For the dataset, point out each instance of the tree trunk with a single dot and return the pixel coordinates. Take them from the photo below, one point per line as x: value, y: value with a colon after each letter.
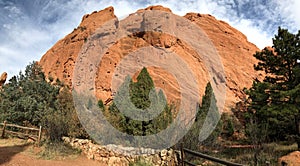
x: 298, y: 143
x: 297, y: 137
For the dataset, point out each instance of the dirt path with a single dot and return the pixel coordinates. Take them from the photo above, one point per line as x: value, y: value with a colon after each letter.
x: 15, y: 152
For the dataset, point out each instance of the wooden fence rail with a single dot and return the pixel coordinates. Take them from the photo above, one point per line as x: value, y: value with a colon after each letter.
x: 36, y: 137
x: 205, y: 156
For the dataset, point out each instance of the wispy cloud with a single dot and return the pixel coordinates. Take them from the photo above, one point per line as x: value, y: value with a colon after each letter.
x: 29, y: 28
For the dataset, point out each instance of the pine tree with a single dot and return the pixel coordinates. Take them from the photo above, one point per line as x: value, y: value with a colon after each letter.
x: 275, y: 100
x: 140, y: 90
x: 209, y: 101
x: 139, y: 95
x: 28, y: 97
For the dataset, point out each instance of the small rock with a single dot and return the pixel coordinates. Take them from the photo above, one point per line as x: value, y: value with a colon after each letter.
x: 163, y: 154
x: 29, y: 140
x: 114, y: 161
x: 170, y: 152
x: 90, y: 156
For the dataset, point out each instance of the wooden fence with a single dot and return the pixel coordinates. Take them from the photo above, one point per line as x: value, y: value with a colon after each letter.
x: 204, y: 156
x: 36, y: 137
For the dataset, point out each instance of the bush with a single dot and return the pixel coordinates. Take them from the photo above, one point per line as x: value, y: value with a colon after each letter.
x: 228, y: 126
x: 64, y: 120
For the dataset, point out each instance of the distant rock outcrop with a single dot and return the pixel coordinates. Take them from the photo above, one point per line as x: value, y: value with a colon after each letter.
x: 292, y: 159
x: 235, y: 51
x: 3, y: 79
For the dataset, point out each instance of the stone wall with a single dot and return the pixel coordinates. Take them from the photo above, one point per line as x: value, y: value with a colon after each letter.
x: 118, y: 155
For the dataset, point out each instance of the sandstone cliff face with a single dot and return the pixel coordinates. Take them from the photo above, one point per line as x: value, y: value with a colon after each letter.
x: 58, y: 62
x: 234, y: 49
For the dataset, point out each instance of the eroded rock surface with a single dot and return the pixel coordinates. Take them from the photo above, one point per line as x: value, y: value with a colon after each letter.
x: 233, y: 47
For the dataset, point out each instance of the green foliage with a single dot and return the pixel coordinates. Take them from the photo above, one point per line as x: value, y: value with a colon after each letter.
x: 63, y: 121
x: 139, y: 94
x: 190, y: 140
x: 140, y: 90
x: 101, y: 105
x: 228, y: 127
x: 58, y: 151
x: 30, y: 98
x: 140, y: 162
x: 275, y: 102
x: 82, y: 28
x: 27, y: 97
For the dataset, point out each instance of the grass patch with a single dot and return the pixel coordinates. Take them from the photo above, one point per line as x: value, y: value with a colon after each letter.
x: 269, y: 153
x: 12, y: 141
x: 58, y: 151
x: 140, y: 162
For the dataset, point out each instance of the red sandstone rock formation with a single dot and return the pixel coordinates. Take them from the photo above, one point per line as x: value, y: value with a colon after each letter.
x: 233, y: 47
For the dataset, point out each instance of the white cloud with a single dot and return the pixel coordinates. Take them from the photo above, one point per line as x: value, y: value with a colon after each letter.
x: 256, y: 36
x: 290, y: 10
x: 27, y: 37
x: 8, y: 63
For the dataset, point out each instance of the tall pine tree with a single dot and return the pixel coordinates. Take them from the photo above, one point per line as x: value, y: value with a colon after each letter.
x: 190, y: 140
x: 275, y: 101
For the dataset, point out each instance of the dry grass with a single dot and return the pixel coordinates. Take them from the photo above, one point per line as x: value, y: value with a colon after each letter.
x: 58, y: 151
x: 28, y: 147
x: 268, y: 153
x: 12, y: 142
x: 245, y: 155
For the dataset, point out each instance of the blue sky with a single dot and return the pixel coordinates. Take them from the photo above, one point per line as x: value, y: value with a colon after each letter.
x: 28, y: 28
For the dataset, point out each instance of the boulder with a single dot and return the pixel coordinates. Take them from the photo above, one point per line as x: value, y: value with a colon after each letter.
x: 292, y: 159
x: 3, y: 79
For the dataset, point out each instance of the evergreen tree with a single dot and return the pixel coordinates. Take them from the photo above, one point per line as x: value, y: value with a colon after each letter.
x: 140, y: 93
x: 27, y: 97
x: 140, y: 90
x: 274, y: 102
x: 190, y: 140
x: 30, y: 98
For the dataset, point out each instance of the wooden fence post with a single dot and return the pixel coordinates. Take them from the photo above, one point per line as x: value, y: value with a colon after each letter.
x: 182, y: 154
x: 3, y: 130
x: 40, y: 135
